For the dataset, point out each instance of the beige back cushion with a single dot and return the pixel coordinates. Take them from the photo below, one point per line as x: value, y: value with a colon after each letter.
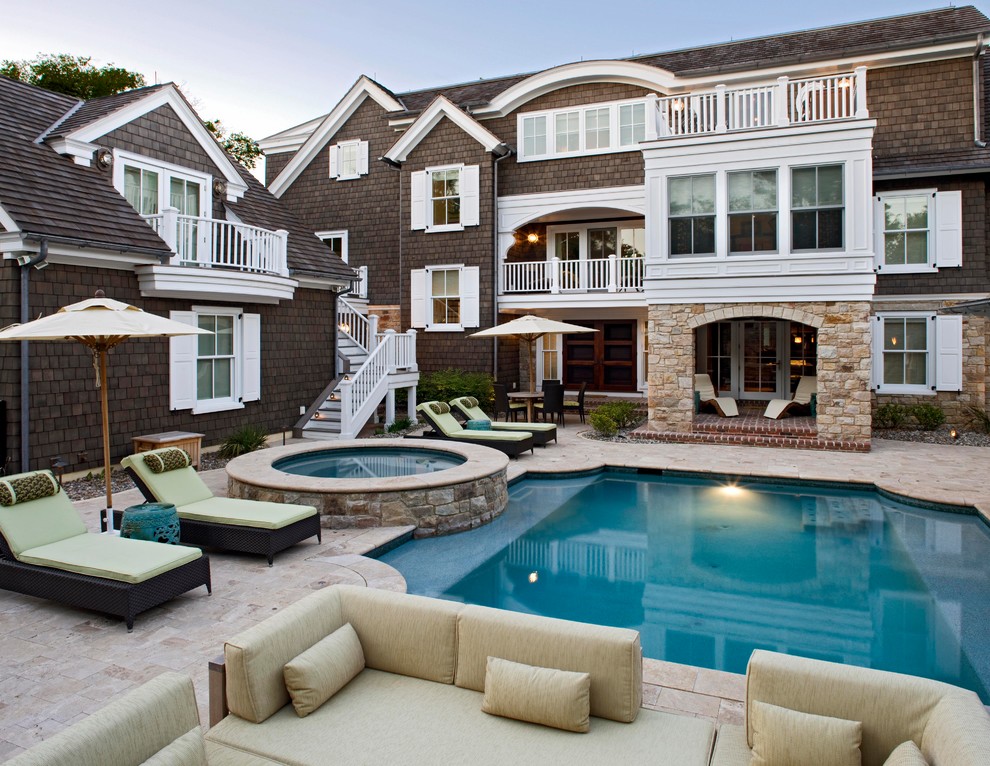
x: 612, y: 656
x: 892, y: 707
x: 187, y: 750
x: 807, y: 386
x: 958, y: 731
x: 703, y: 385
x: 783, y: 737
x: 399, y: 633
x: 255, y: 659
x: 131, y: 729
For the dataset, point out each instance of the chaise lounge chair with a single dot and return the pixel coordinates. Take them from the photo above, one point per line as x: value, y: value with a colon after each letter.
x: 445, y: 426
x: 542, y: 432
x: 46, y: 551
x: 227, y: 523
x: 806, y: 388
x: 724, y: 405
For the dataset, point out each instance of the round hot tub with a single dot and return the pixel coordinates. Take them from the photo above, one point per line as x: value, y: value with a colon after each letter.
x: 440, y: 487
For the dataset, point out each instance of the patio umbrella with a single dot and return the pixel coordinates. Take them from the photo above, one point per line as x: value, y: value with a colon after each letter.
x: 100, y: 324
x: 529, y: 328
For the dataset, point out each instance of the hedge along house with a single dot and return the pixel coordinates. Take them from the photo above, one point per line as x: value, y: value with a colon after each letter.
x: 761, y: 210
x: 131, y: 194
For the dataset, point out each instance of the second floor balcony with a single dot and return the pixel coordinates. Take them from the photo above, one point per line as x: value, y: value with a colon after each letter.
x: 555, y: 276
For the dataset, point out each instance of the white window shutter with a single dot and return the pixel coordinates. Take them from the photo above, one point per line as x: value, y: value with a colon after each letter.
x: 362, y: 161
x: 420, y: 180
x: 251, y: 344
x: 470, y: 296
x: 469, y: 195
x: 876, y: 370
x: 334, y: 161
x: 948, y: 353
x: 948, y: 234
x: 182, y: 364
x: 417, y: 293
x: 878, y: 240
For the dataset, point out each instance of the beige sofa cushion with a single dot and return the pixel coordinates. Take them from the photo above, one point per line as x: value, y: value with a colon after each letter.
x: 612, y: 656
x: 324, y: 669
x: 557, y: 698
x: 958, y: 731
x: 382, y: 718
x: 906, y: 754
x: 256, y: 658
x: 892, y: 707
x: 187, y: 750
x: 129, y: 730
x: 400, y: 633
x: 783, y: 737
x: 730, y: 746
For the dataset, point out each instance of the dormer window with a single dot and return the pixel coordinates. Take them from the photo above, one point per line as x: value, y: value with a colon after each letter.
x: 349, y: 160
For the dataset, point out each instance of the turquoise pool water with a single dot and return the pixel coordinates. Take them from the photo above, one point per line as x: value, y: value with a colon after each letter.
x: 709, y: 571
x: 368, y: 463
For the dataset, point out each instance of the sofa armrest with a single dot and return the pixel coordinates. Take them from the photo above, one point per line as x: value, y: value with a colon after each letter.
x: 958, y: 732
x: 218, y: 690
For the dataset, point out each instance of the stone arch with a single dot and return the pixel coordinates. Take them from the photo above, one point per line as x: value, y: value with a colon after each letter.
x: 757, y: 310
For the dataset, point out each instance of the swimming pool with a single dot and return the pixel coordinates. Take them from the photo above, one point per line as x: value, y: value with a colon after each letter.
x: 708, y: 571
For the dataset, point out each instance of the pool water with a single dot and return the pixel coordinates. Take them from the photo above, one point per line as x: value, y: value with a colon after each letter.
x: 365, y: 463
x: 709, y: 571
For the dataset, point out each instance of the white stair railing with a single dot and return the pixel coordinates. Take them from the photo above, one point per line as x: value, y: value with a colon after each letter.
x: 362, y: 329
x: 361, y: 392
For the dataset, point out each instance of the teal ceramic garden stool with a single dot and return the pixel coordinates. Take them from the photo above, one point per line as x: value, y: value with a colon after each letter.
x: 157, y: 522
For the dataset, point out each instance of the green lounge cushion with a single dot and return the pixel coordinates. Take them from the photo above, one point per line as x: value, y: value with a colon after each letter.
x: 26, y: 487
x: 245, y: 513
x: 39, y: 522
x: 111, y: 557
x: 448, y: 424
x: 476, y: 413
x: 168, y: 459
x: 179, y: 487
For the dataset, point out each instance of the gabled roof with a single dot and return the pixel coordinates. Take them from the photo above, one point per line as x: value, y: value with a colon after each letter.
x: 97, y: 108
x: 363, y: 89
x: 440, y: 108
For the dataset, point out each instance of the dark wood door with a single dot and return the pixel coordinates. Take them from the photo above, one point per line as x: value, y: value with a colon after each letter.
x: 605, y: 360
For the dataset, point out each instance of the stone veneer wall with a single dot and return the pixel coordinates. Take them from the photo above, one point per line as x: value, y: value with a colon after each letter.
x: 389, y: 317
x: 844, y: 359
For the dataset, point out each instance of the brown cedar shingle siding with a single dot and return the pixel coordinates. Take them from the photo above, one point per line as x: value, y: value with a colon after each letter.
x: 274, y: 164
x: 447, y: 144
x: 65, y: 404
x: 367, y: 207
x: 974, y: 274
x: 619, y: 169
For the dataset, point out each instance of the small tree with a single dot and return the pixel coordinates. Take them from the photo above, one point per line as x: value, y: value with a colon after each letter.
x: 72, y: 75
x: 241, y: 147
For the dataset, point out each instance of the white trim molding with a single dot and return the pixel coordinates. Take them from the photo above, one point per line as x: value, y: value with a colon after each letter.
x: 440, y: 107
x: 166, y: 96
x: 7, y: 222
x: 157, y: 281
x: 363, y: 89
x: 290, y: 139
x: 519, y: 209
x: 81, y: 151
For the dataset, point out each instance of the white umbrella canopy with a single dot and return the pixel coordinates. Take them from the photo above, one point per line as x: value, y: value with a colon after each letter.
x: 529, y: 328
x: 100, y: 324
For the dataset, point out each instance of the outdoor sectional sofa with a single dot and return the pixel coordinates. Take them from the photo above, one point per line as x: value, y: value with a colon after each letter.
x: 47, y: 552
x: 231, y: 524
x: 445, y: 426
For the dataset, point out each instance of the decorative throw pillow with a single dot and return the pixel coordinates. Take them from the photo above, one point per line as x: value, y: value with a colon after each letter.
x: 170, y: 459
x: 323, y: 670
x: 479, y: 425
x: 906, y: 754
x: 783, y: 737
x: 472, y: 402
x: 440, y: 408
x: 30, y: 486
x: 557, y: 698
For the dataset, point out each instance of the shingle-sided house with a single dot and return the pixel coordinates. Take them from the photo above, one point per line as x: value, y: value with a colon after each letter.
x: 131, y: 194
x: 812, y: 203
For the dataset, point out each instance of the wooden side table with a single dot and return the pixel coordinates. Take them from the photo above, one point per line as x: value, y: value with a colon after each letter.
x: 186, y: 440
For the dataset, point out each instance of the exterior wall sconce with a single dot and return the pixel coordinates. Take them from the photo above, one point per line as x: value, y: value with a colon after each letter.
x: 677, y: 105
x: 845, y: 83
x: 344, y: 327
x: 533, y: 238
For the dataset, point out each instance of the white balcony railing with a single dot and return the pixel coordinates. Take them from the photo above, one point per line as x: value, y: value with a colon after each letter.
x: 612, y: 274
x: 212, y: 243
x: 787, y: 102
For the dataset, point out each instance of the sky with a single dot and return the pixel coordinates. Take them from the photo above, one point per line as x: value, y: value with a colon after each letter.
x: 263, y: 67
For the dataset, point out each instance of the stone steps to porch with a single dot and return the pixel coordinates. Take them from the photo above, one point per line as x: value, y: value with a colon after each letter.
x: 751, y: 422
x: 755, y: 439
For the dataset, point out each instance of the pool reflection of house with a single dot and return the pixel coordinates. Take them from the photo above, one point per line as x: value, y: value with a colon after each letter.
x: 757, y: 210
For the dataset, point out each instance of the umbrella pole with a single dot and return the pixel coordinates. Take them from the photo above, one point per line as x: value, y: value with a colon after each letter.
x: 532, y: 363
x: 105, y: 404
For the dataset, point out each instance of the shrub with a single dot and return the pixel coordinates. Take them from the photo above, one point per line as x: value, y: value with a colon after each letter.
x: 444, y: 385
x: 603, y: 424
x: 244, y: 440
x: 400, y: 424
x: 979, y: 418
x: 623, y: 414
x: 929, y: 416
x: 890, y: 416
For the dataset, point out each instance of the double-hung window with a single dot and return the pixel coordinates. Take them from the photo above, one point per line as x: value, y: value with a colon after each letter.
x: 917, y: 352
x: 918, y: 230
x: 445, y: 198
x: 445, y: 298
x: 752, y: 211
x: 691, y: 212
x: 219, y: 370
x: 817, y: 208
x: 336, y: 241
x: 349, y: 160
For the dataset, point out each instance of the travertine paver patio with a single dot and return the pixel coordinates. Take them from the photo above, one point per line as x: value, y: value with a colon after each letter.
x: 58, y: 665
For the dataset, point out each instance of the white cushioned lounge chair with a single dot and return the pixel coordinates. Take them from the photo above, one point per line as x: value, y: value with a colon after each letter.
x: 806, y: 388
x: 724, y: 405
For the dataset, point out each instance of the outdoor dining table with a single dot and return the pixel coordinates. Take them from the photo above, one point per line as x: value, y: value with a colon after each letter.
x: 530, y: 397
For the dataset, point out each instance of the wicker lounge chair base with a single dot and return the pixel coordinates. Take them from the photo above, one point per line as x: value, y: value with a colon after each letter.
x: 235, y: 537
x: 100, y: 594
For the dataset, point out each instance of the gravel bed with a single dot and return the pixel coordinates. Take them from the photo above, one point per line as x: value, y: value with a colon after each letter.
x: 92, y: 485
x: 941, y: 435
